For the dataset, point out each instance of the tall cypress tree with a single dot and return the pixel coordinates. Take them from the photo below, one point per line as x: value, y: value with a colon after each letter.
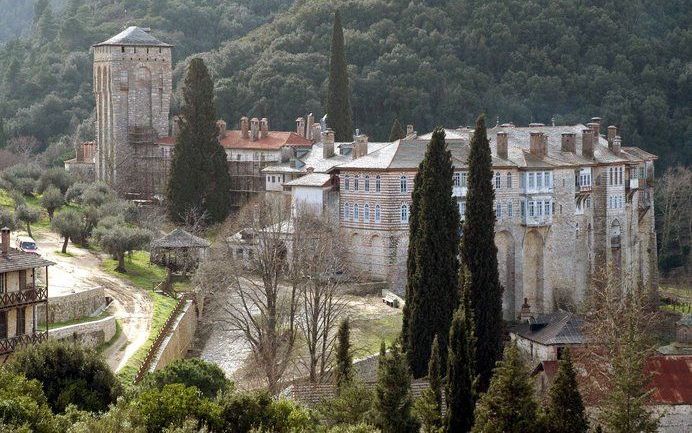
x: 565, y: 412
x: 199, y: 179
x: 428, y: 407
x: 393, y: 401
x: 509, y: 405
x: 338, y: 96
x: 433, y: 245
x: 461, y: 372
x: 344, y: 358
x: 479, y: 256
x: 397, y: 131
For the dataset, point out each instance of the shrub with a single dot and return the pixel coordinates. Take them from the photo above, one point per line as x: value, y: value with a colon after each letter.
x: 207, y: 377
x: 56, y: 177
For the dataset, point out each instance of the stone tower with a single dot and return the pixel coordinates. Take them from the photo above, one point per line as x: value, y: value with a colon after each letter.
x: 132, y: 87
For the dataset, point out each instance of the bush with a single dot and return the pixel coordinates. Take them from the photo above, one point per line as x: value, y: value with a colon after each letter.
x: 97, y: 194
x: 23, y: 404
x: 69, y: 374
x: 22, y: 177
x: 207, y: 377
x: 7, y: 219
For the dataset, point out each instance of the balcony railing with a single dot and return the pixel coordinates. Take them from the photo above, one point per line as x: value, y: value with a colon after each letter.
x: 8, y: 345
x: 537, y: 220
x: 30, y: 295
x: 584, y: 188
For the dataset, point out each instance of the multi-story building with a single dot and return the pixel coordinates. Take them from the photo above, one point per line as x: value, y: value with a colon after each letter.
x: 567, y: 200
x: 23, y: 287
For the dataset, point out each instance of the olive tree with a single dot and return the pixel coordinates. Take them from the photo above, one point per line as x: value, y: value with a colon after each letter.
x: 51, y: 199
x: 116, y: 237
x: 68, y: 224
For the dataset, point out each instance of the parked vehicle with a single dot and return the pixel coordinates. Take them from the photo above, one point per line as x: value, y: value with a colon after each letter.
x: 27, y: 244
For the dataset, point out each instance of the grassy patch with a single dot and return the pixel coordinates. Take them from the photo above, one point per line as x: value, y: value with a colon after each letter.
x: 86, y: 319
x: 676, y: 299
x: 163, y: 307
x: 140, y: 272
x: 367, y: 334
x: 61, y: 254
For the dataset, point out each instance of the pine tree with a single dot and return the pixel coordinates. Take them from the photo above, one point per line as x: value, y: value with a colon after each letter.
x: 479, y: 256
x: 461, y: 376
x: 199, y: 180
x: 393, y: 401
x: 396, y: 132
x: 509, y: 405
x: 565, y: 411
x: 344, y: 358
x: 433, y: 247
x: 338, y: 96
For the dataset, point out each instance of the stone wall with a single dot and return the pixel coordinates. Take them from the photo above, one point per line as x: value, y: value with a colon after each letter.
x: 89, y: 334
x: 72, y: 306
x: 176, y: 344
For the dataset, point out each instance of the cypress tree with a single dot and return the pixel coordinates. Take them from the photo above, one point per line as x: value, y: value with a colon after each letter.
x: 461, y: 375
x: 479, y: 256
x: 428, y: 407
x: 199, y: 179
x: 344, y: 359
x: 397, y: 131
x: 509, y: 405
x: 433, y: 246
x: 565, y: 412
x: 338, y: 96
x: 3, y: 134
x: 393, y: 401
x: 411, y: 254
x: 435, y: 373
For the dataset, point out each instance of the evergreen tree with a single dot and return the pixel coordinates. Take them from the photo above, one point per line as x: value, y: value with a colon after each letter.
x: 461, y: 375
x: 338, y: 96
x: 411, y: 255
x: 3, y: 134
x: 396, y: 132
x: 393, y: 401
x: 435, y: 373
x: 479, y: 256
x: 344, y: 358
x: 428, y: 407
x: 565, y: 412
x: 199, y: 180
x: 509, y: 405
x: 434, y: 242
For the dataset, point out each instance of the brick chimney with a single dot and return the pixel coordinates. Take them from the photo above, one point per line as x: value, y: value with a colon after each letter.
x: 254, y: 129
x: 616, y: 146
x: 569, y: 142
x: 360, y: 146
x: 612, y: 132
x: 328, y: 143
x: 316, y: 132
x: 222, y: 128
x: 597, y: 122
x: 308, y: 127
x: 502, y: 140
x: 587, y: 141
x: 264, y: 127
x: 244, y: 127
x: 538, y: 145
x: 5, y: 241
x: 300, y: 126
x: 409, y: 130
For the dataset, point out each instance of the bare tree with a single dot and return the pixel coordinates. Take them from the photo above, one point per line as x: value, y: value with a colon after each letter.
x: 244, y: 290
x: 24, y: 146
x: 674, y: 219
x: 616, y: 324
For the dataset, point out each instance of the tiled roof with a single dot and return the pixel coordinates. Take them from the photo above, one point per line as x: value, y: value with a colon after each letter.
x: 179, y: 238
x: 134, y: 36
x: 234, y: 140
x: 311, y: 179
x: 17, y: 260
x: 556, y: 328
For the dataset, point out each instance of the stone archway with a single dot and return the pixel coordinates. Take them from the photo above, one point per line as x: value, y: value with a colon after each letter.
x: 505, y: 266
x: 533, y: 270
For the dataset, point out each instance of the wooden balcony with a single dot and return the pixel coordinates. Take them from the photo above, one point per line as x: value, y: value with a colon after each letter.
x: 8, y: 345
x: 30, y: 295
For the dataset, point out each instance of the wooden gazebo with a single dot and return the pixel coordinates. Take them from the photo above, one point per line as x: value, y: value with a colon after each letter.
x: 179, y: 251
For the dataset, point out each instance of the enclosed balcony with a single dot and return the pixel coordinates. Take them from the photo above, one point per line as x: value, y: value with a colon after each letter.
x: 10, y: 344
x: 459, y: 191
x: 30, y: 295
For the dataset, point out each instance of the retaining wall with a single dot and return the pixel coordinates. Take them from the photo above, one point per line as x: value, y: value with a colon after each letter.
x: 89, y: 334
x: 72, y: 306
x: 176, y: 344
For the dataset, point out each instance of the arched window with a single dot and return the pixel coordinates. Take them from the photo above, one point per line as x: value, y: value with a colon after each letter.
x: 403, y: 187
x: 347, y: 212
x: 498, y: 182
x: 347, y: 182
x: 404, y: 213
x: 498, y: 211
x: 356, y: 181
x: 356, y: 212
x: 510, y: 210
x: 377, y: 213
x: 366, y: 185
x: 378, y: 183
x: 509, y: 179
x: 366, y: 213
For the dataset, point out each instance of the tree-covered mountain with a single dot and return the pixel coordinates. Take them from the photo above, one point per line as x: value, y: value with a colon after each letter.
x: 427, y: 62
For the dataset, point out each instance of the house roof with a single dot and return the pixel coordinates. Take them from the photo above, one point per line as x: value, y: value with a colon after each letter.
x: 233, y: 139
x: 557, y: 328
x: 17, y: 260
x: 134, y: 36
x: 179, y: 238
x: 311, y: 179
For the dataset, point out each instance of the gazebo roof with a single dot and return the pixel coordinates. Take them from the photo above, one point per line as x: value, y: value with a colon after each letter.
x: 179, y: 238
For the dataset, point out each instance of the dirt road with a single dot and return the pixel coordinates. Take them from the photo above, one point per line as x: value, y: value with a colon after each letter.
x: 131, y: 305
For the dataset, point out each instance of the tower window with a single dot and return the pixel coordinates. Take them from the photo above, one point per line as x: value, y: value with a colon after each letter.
x: 122, y: 49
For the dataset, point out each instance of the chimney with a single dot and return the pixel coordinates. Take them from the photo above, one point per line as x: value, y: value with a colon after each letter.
x: 612, y: 132
x: 597, y: 122
x: 264, y: 127
x: 308, y: 127
x: 316, y: 132
x: 300, y: 126
x: 222, y: 128
x: 5, y: 241
x: 525, y: 312
x: 617, y: 145
x: 254, y: 129
x: 409, y: 130
x: 286, y: 154
x: 587, y: 143
x: 328, y: 143
x: 502, y: 140
x: 569, y: 142
x: 360, y: 146
x: 244, y: 127
x: 537, y: 147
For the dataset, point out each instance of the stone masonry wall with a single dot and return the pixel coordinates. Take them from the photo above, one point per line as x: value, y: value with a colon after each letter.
x: 72, y: 306
x: 177, y: 343
x: 89, y: 334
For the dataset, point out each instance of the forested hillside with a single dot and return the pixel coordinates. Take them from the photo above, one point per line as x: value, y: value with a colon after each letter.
x: 427, y: 62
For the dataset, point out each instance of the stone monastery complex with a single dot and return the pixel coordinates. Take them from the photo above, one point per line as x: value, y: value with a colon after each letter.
x: 567, y: 198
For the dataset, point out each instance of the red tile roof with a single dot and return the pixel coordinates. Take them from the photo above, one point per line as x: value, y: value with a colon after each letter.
x: 274, y: 141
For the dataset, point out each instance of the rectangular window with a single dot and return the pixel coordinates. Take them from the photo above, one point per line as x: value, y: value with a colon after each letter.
x: 539, y: 208
x: 532, y: 209
x: 3, y: 324
x: 549, y: 179
x: 355, y: 183
x: 497, y: 180
x: 457, y: 179
x: 463, y: 180
x: 366, y: 213
x: 498, y: 211
x: 367, y: 184
x: 523, y: 208
x: 377, y: 213
x: 532, y: 181
x: 347, y: 182
x: 510, y: 211
x: 3, y: 283
x: 21, y: 321
x: 539, y: 180
x: 462, y: 209
x: 356, y: 212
